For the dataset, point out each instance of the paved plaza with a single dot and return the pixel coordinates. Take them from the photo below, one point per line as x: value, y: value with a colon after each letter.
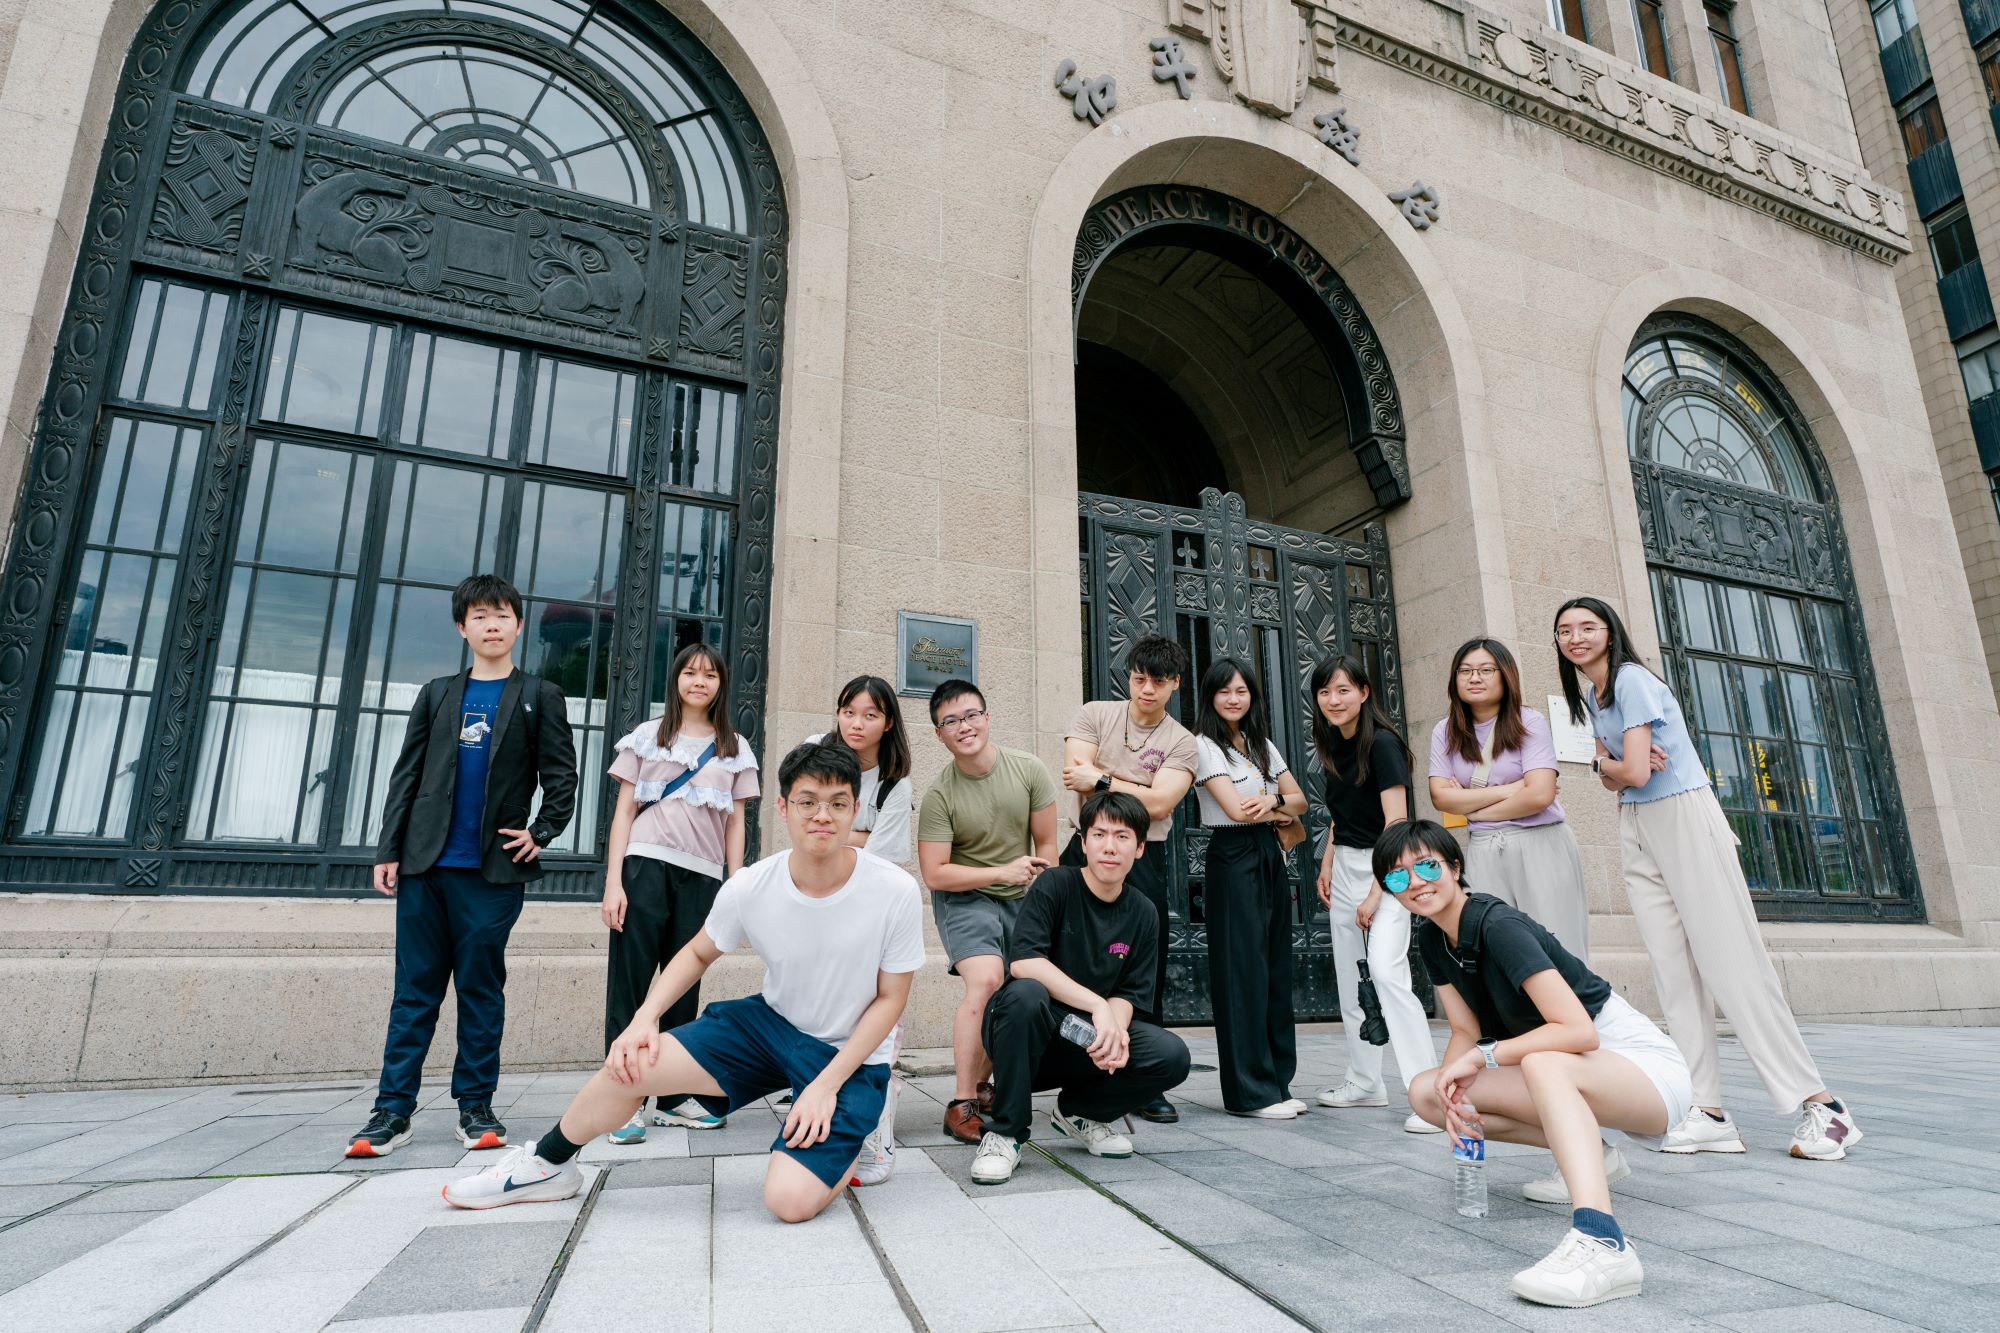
x: 224, y: 1208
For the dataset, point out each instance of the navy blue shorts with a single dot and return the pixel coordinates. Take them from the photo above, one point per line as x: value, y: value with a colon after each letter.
x: 752, y: 1052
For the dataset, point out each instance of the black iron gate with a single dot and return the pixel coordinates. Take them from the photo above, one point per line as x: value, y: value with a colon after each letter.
x: 1228, y: 585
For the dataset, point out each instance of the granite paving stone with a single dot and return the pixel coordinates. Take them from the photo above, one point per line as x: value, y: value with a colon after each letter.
x: 34, y: 1248
x: 458, y: 1321
x: 1034, y: 1174
x: 653, y: 1238
x: 1821, y: 1317
x: 1336, y: 1289
x: 661, y: 1171
x: 462, y: 1268
x: 1937, y: 1302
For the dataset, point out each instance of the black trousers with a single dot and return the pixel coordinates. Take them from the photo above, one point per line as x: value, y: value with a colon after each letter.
x: 1028, y: 1057
x: 665, y: 905
x: 1149, y: 876
x: 1247, y: 903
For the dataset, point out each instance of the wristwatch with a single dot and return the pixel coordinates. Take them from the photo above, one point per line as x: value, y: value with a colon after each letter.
x: 1103, y: 782
x: 1486, y: 1048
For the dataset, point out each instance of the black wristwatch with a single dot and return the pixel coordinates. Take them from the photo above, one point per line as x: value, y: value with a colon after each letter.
x: 1103, y: 782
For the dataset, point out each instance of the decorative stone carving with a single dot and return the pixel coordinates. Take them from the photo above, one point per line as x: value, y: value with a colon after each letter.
x: 1090, y: 99
x: 1613, y: 97
x: 1658, y: 116
x: 205, y: 180
x: 1421, y: 204
x: 1699, y: 132
x: 1337, y: 134
x: 714, y: 289
x: 1266, y: 50
x: 1783, y: 169
x: 1171, y: 65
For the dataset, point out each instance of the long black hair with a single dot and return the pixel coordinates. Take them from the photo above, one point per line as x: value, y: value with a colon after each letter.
x: 718, y: 707
x: 1508, y: 730
x: 892, y: 759
x: 1620, y: 650
x: 1253, y: 734
x: 1374, y: 720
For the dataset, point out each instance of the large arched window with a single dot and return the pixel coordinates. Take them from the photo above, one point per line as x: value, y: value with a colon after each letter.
x: 379, y: 293
x: 1761, y: 628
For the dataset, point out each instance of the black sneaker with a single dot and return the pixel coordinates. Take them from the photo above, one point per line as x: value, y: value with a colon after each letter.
x: 1160, y: 1111
x: 383, y: 1134
x: 479, y: 1128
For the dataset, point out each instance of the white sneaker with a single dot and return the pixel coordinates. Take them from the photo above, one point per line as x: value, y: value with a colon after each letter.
x: 1554, y: 1189
x: 1824, y: 1134
x: 1280, y: 1111
x: 1581, y: 1271
x: 1098, y: 1139
x: 1701, y: 1132
x: 689, y: 1115
x: 519, y: 1177
x: 1416, y: 1124
x: 878, y: 1150
x: 994, y: 1163
x: 1351, y: 1093
x: 1296, y: 1105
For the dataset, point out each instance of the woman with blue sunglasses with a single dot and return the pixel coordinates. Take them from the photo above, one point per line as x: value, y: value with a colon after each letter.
x: 1542, y: 1052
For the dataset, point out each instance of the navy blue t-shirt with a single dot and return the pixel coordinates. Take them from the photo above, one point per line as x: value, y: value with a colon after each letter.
x: 475, y: 753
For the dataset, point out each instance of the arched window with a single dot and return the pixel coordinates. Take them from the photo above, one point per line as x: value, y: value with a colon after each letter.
x: 379, y: 294
x: 1760, y: 626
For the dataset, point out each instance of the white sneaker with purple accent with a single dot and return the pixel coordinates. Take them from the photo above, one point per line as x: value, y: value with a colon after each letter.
x: 1824, y: 1134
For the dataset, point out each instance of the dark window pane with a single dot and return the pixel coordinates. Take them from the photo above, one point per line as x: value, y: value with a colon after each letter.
x: 1792, y: 855
x: 1760, y: 700
x: 1989, y: 71
x: 582, y: 418
x: 1698, y: 615
x: 175, y: 334
x: 1922, y: 127
x: 460, y: 396
x: 326, y: 372
x: 1712, y: 708
x: 1745, y: 635
x: 1728, y: 61
x: 1753, y: 847
x: 1650, y: 18
x: 443, y: 524
x: 1820, y: 795
x: 1952, y: 243
x: 1833, y: 637
x: 1723, y: 755
x: 1807, y: 723
x: 701, y: 449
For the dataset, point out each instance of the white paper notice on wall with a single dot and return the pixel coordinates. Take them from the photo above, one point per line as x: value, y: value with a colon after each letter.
x: 1574, y: 744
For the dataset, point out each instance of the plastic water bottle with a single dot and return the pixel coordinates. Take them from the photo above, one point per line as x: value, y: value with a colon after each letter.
x: 1076, y: 1029
x: 1468, y: 1170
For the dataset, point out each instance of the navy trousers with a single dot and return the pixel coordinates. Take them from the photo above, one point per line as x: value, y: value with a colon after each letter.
x: 451, y: 926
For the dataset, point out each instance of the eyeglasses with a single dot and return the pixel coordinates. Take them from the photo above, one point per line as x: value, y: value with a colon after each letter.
x: 1567, y: 634
x: 1478, y: 672
x: 957, y: 720
x: 1429, y: 870
x: 808, y: 807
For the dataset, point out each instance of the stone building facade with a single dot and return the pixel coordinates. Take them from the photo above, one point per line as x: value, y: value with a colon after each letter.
x: 1287, y: 327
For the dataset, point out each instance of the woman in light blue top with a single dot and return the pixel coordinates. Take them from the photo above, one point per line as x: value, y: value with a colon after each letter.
x: 1687, y: 892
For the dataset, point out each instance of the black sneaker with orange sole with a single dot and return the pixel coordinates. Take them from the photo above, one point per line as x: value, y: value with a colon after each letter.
x: 478, y: 1127
x: 383, y: 1134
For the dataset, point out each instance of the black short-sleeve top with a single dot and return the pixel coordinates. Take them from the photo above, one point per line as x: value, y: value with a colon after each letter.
x: 1356, y: 802
x: 1499, y: 948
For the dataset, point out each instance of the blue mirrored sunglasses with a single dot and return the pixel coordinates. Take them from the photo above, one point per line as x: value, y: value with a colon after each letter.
x: 1429, y: 870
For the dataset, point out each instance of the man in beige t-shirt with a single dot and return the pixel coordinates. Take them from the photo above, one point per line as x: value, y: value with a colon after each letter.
x: 1135, y: 745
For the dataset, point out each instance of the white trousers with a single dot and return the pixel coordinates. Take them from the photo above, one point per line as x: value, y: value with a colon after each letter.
x: 1693, y: 912
x: 1387, y: 949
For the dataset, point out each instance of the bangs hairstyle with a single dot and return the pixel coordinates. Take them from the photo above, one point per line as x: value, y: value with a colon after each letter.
x: 484, y: 590
x: 1253, y: 733
x: 1620, y: 650
x: 1508, y: 732
x: 1157, y: 656
x: 718, y: 707
x: 1120, y: 807
x: 829, y: 761
x: 953, y: 689
x: 892, y: 760
x: 1420, y: 836
x: 1373, y: 720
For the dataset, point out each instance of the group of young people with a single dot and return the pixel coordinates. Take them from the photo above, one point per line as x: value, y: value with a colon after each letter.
x: 1063, y: 957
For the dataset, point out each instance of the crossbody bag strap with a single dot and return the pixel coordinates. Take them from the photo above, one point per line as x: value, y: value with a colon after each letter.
x: 682, y: 781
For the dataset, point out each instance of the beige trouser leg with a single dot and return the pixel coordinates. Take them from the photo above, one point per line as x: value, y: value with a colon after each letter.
x: 1693, y: 912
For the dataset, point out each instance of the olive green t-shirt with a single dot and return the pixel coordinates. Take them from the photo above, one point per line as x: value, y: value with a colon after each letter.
x: 986, y: 819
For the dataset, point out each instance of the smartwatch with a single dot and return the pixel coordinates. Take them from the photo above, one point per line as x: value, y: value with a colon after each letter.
x: 1594, y: 762
x: 1486, y: 1048
x: 1103, y: 782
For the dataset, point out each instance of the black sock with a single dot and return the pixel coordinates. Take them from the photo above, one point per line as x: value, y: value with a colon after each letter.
x: 1834, y: 1102
x: 1598, y: 1226
x: 1716, y: 1116
x: 554, y: 1148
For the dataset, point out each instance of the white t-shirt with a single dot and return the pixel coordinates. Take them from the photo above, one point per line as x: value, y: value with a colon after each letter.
x: 887, y: 824
x: 821, y: 955
x: 1211, y: 761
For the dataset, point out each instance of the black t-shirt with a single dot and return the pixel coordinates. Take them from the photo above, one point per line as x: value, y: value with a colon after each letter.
x: 1499, y: 948
x: 1105, y: 947
x: 1355, y: 803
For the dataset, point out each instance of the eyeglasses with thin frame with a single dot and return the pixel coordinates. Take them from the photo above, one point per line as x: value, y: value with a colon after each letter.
x: 1571, y: 632
x: 808, y: 807
x: 957, y: 720
x: 1478, y: 672
x: 1429, y: 870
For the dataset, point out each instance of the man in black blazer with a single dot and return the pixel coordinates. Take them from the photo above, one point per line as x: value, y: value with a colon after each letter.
x: 458, y: 847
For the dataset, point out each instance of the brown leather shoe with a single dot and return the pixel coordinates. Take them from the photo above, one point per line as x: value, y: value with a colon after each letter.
x: 961, y: 1121
x: 985, y: 1094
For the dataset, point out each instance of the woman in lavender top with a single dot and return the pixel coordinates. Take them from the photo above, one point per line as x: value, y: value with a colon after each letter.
x: 1493, y: 762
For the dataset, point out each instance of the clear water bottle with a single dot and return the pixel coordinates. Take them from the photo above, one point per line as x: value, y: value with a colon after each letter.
x: 1075, y: 1028
x: 1468, y: 1169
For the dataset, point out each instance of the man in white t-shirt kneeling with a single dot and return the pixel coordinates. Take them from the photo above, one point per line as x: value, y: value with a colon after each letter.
x: 841, y: 936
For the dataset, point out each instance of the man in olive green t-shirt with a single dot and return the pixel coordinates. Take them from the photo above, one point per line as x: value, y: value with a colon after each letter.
x: 987, y: 828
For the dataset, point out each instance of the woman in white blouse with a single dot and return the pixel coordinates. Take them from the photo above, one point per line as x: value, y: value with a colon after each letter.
x: 869, y: 723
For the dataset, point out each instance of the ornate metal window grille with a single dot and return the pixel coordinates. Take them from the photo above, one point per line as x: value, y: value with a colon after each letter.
x: 1761, y: 627
x: 320, y: 362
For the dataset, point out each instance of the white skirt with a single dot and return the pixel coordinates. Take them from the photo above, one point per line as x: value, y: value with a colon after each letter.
x: 1626, y: 1031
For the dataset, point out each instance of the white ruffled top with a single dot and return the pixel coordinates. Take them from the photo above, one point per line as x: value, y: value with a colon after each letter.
x: 687, y: 826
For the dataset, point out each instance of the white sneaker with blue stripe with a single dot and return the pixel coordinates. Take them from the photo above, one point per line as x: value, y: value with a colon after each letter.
x: 519, y: 1177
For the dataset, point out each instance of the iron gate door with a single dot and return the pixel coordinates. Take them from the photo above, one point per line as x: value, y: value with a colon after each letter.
x: 1224, y: 584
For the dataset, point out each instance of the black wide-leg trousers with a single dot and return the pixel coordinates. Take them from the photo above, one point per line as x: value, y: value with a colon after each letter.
x: 1247, y: 902
x: 665, y: 905
x: 1028, y: 1057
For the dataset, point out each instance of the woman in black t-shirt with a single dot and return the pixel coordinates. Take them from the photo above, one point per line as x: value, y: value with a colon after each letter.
x: 1367, y: 786
x: 1542, y: 1051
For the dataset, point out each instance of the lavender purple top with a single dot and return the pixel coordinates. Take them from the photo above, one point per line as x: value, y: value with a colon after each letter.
x: 1538, y: 750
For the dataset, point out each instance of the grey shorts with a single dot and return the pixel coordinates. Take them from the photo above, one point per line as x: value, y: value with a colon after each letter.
x: 971, y: 924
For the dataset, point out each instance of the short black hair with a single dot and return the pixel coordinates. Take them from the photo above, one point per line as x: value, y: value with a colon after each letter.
x: 1418, y: 835
x: 1158, y: 656
x: 1120, y: 807
x: 830, y: 761
x: 484, y: 590
x: 953, y: 689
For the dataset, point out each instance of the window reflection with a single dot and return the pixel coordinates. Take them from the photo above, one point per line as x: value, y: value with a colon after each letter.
x: 326, y: 372
x: 583, y: 417
x: 460, y: 396
x: 701, y: 448
x: 175, y: 336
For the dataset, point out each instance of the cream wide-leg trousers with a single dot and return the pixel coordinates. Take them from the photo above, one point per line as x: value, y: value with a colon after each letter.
x: 1387, y: 949
x: 1693, y: 911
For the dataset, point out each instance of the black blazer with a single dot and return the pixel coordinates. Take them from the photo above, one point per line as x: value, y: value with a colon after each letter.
x: 531, y: 746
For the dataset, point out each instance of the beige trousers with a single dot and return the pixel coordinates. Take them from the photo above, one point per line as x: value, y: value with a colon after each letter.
x: 1693, y: 912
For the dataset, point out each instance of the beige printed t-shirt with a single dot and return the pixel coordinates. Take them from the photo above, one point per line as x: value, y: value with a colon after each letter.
x: 1107, y: 724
